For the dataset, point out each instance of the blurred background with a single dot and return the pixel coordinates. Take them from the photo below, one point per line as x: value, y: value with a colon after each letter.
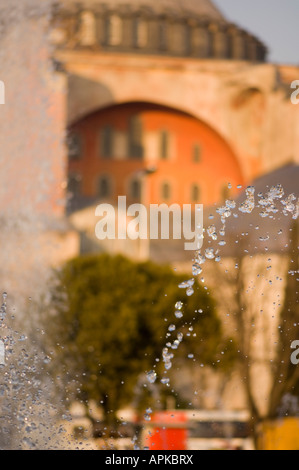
x: 140, y: 343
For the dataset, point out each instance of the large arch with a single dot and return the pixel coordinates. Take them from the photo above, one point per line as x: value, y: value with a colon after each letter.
x: 182, y: 150
x: 203, y: 89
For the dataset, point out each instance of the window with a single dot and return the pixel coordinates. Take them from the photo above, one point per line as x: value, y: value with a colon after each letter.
x: 136, y: 138
x: 177, y: 34
x: 114, y: 30
x: 164, y: 145
x: 195, y: 193
x: 106, y: 142
x: 140, y: 33
x: 74, y: 184
x: 252, y: 50
x: 201, y: 42
x: 104, y: 187
x: 162, y: 35
x: 238, y: 47
x: 220, y: 44
x: 74, y: 142
x: 196, y: 153
x: 135, y: 189
x: 87, y: 32
x: 166, y: 191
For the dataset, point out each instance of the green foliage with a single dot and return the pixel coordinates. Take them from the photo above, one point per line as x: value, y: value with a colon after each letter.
x: 112, y: 320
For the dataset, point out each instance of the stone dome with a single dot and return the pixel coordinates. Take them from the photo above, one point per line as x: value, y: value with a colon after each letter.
x: 182, y: 28
x: 195, y: 7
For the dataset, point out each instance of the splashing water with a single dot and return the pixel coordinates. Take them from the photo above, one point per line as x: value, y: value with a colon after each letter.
x: 272, y: 202
x: 27, y: 411
x: 32, y: 158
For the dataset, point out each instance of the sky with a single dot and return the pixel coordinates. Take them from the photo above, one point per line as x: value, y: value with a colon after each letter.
x: 275, y: 22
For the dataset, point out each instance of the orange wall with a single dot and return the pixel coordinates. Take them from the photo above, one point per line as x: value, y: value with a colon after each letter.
x: 218, y: 165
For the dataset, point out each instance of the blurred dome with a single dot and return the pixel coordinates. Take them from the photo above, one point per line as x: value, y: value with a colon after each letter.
x: 182, y: 28
x: 195, y: 7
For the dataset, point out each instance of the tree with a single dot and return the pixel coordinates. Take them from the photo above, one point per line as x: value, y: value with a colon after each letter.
x: 283, y: 369
x: 110, y: 325
x: 261, y: 297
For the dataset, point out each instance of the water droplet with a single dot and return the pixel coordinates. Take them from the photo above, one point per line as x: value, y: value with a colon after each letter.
x: 186, y: 284
x: 264, y: 214
x: 264, y: 239
x: 196, y: 269
x: 175, y: 344
x: 151, y: 376
x: 178, y: 314
x: 23, y: 338
x: 190, y: 291
x: 180, y: 336
x: 211, y: 231
x: 209, y: 253
x: 248, y: 205
x: 200, y: 259
x: 165, y: 380
x: 47, y: 360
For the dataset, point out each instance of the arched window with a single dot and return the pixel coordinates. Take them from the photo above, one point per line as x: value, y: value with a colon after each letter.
x: 220, y: 44
x: 87, y: 31
x: 74, y: 184
x: 136, y: 149
x: 162, y: 35
x: 74, y: 142
x: 114, y: 30
x: 196, y: 153
x: 238, y: 47
x: 104, y: 189
x: 141, y: 33
x: 177, y: 38
x: 195, y: 193
x: 166, y: 191
x: 252, y: 49
x: 164, y: 145
x: 106, y: 142
x: 201, y: 42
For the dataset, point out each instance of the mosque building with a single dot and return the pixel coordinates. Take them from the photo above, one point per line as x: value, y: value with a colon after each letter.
x: 167, y: 102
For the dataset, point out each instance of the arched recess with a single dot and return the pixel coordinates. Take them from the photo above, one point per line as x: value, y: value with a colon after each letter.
x: 248, y: 121
x: 214, y: 166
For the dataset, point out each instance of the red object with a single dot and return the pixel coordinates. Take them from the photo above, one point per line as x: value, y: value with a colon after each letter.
x: 167, y: 431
